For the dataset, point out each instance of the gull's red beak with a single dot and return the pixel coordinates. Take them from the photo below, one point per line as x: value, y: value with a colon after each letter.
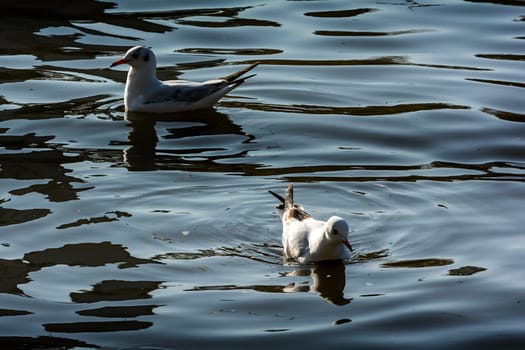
x: 119, y: 61
x: 347, y: 244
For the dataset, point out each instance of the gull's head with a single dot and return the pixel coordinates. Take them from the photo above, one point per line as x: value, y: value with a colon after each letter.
x: 336, y: 230
x: 138, y: 57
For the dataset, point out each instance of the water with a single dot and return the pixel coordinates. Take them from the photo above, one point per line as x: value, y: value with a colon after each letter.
x: 404, y: 117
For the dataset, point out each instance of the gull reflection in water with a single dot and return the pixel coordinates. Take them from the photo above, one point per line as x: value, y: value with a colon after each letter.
x: 328, y: 280
x: 144, y: 153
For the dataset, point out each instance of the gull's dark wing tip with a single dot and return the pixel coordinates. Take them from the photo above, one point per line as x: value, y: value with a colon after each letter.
x: 234, y: 76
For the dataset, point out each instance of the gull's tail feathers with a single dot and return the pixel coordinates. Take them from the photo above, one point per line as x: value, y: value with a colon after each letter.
x: 288, y: 198
x: 289, y: 208
x: 235, y: 78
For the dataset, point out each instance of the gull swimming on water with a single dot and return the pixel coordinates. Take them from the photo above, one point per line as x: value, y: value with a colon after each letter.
x: 306, y: 239
x: 145, y: 93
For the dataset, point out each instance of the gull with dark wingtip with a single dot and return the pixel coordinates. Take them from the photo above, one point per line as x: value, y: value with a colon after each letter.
x: 144, y: 92
x: 306, y: 239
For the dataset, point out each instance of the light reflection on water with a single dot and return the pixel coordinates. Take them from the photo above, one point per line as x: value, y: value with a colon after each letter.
x: 127, y: 230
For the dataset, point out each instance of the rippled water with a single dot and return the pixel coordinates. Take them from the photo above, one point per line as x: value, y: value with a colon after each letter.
x: 132, y: 231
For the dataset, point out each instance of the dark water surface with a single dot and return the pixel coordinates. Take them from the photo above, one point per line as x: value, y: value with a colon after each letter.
x: 137, y: 231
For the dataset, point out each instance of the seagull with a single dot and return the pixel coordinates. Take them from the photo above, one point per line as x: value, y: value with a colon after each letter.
x: 306, y: 239
x: 144, y: 92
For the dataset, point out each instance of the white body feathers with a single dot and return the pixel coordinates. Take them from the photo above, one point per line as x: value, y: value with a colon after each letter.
x: 145, y: 93
x: 306, y: 239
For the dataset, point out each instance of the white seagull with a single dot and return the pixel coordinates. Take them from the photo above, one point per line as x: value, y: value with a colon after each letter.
x: 145, y: 93
x: 306, y: 239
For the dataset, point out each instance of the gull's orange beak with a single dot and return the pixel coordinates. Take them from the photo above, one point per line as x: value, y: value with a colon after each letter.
x: 347, y: 244
x: 119, y: 61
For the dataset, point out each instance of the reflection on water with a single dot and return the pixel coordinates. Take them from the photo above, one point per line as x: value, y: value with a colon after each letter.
x: 340, y: 13
x: 83, y: 254
x: 362, y: 111
x: 122, y: 229
x: 108, y: 217
x: 42, y: 165
x: 116, y: 290
x: 119, y: 311
x: 328, y: 280
x: 144, y: 155
x: 16, y: 272
x: 10, y: 216
x: 419, y: 263
x: 57, y: 14
x: 466, y: 270
x: 90, y: 327
x: 43, y: 342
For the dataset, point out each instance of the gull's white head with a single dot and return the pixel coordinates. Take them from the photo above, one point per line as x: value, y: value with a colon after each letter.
x: 336, y: 230
x: 138, y: 57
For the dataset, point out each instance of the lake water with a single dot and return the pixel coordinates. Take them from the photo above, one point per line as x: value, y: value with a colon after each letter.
x: 157, y: 231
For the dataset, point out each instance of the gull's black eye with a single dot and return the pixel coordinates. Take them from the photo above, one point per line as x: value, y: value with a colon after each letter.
x: 335, y: 232
x: 146, y: 57
x: 135, y: 55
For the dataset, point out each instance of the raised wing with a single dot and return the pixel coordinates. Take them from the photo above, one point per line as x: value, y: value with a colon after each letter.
x: 290, y: 209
